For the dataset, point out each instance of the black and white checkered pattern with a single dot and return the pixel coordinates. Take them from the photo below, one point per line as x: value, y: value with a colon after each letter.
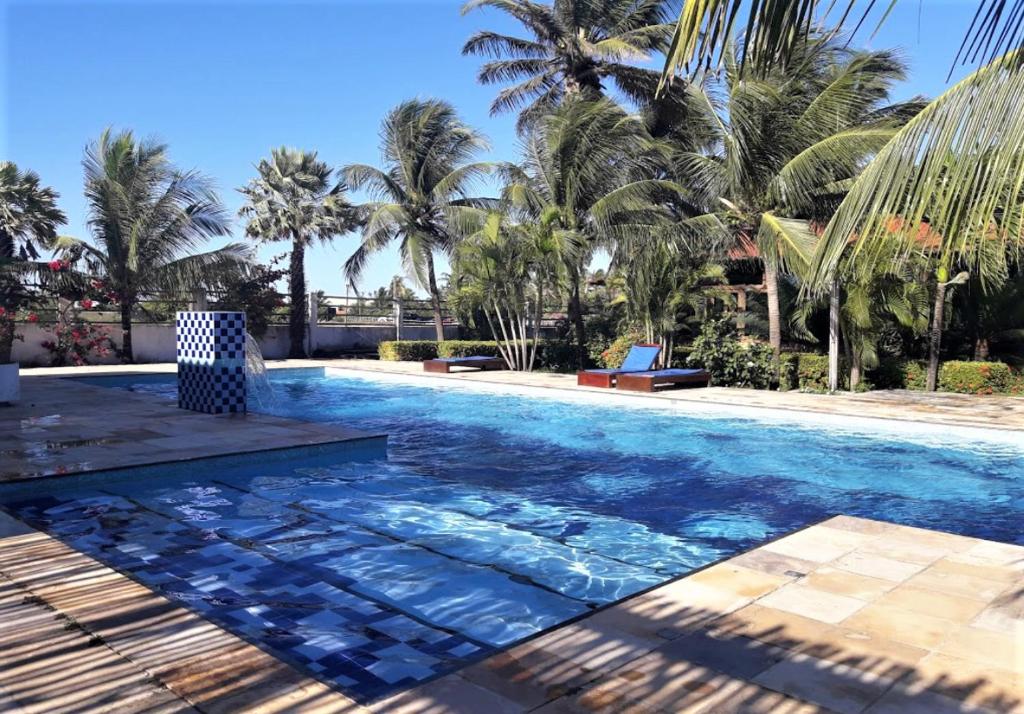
x: 211, y: 361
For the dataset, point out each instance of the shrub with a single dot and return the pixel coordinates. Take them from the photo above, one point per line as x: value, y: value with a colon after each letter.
x: 467, y: 348
x: 407, y: 350
x: 615, y: 354
x: 976, y: 377
x: 731, y: 363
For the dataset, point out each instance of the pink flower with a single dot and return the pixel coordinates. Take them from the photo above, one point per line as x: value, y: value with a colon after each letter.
x: 55, y: 265
x: 3, y: 312
x: 32, y: 317
x: 87, y: 304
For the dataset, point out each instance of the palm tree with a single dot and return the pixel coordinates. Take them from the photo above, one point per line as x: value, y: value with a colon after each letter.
x: 579, y: 176
x: 574, y: 46
x: 147, y: 218
x: 28, y: 215
x: 293, y: 199
x: 787, y: 141
x: 775, y: 28
x: 422, y: 195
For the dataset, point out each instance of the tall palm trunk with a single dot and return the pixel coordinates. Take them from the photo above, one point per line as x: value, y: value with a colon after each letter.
x: 833, y: 336
x: 297, y: 292
x: 771, y: 284
x: 935, y: 337
x: 127, y: 354
x: 856, y: 369
x: 435, y: 299
x: 576, y: 318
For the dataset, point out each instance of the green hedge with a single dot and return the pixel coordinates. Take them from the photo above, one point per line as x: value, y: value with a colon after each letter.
x: 552, y: 355
x: 467, y: 348
x: 809, y: 372
x: 407, y: 350
x: 967, y: 377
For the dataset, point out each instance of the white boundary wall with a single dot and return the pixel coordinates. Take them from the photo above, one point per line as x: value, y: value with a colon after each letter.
x: 155, y: 342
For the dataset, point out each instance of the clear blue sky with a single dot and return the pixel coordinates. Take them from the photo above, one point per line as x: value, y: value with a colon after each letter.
x: 223, y: 82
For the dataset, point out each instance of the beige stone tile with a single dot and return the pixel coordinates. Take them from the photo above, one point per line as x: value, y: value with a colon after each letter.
x: 894, y: 623
x: 740, y: 581
x: 448, y: 694
x: 969, y: 681
x: 806, y: 601
x: 528, y: 677
x: 997, y: 573
x: 774, y: 563
x: 818, y: 545
x: 931, y: 602
x: 766, y: 624
x: 987, y: 552
x: 858, y: 525
x: 844, y: 582
x: 1004, y: 650
x: 837, y: 687
x: 901, y: 700
x: 877, y: 566
x: 958, y: 583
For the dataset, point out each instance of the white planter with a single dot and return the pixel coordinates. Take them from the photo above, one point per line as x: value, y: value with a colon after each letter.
x: 9, y: 383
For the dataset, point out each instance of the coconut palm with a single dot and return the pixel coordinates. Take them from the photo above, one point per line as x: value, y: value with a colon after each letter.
x: 579, y: 176
x: 776, y: 27
x: 574, y: 46
x: 294, y: 199
x: 957, y: 167
x: 28, y: 216
x: 422, y: 195
x: 787, y: 141
x: 147, y: 219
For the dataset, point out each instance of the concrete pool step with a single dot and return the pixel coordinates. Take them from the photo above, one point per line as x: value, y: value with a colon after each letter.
x: 849, y: 615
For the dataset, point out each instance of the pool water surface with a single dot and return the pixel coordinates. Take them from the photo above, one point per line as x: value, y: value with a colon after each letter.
x: 492, y: 518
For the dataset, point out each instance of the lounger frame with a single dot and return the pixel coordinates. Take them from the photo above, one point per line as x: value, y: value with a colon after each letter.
x: 641, y: 382
x: 443, y: 366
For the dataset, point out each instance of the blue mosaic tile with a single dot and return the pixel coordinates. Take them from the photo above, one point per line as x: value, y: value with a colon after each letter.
x: 211, y: 361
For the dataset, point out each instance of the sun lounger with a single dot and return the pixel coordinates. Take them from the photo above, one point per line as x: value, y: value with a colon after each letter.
x: 641, y: 358
x: 444, y: 365
x: 663, y: 379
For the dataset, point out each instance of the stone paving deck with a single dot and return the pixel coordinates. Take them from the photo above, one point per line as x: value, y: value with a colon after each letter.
x: 61, y: 426
x: 846, y: 616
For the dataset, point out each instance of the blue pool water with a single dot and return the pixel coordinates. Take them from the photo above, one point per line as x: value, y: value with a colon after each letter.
x: 493, y: 516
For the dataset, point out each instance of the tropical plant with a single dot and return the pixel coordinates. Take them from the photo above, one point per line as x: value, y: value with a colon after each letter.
x: 575, y: 45
x: 423, y: 195
x: 663, y: 279
x: 501, y: 270
x: 866, y: 305
x: 294, y: 199
x: 579, y: 179
x: 775, y: 28
x: 147, y: 218
x: 29, y: 217
x: 786, y: 142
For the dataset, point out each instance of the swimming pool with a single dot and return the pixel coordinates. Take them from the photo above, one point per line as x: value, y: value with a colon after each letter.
x: 495, y: 515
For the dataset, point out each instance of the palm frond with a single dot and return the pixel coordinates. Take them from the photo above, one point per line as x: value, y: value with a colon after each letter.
x: 949, y: 183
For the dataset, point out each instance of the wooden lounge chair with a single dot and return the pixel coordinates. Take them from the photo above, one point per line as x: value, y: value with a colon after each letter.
x: 641, y: 358
x: 444, y: 365
x: 663, y: 379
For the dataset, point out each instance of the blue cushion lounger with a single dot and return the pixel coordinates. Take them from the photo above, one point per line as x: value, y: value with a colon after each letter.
x: 641, y: 358
x: 663, y: 379
x: 443, y: 365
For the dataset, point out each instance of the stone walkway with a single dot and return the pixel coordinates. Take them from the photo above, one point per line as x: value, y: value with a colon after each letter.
x: 846, y: 616
x: 61, y: 426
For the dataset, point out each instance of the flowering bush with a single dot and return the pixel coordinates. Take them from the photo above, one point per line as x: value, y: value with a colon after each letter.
x: 8, y: 331
x: 75, y: 341
x: 613, y: 357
